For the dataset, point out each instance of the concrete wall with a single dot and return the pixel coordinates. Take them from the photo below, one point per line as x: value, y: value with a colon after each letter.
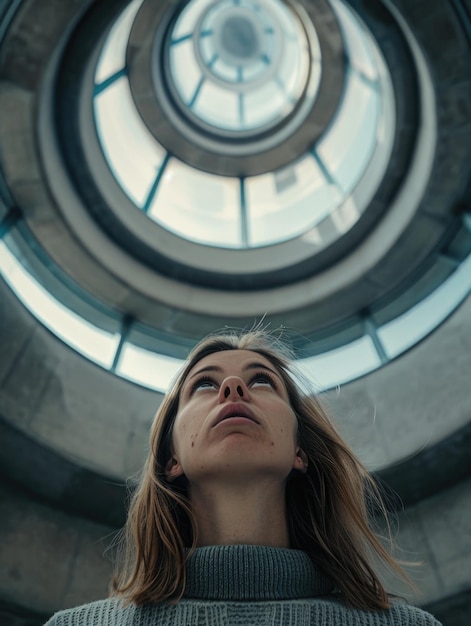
x: 94, y: 421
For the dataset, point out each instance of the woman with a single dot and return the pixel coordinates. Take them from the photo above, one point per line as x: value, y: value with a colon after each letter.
x: 251, y: 508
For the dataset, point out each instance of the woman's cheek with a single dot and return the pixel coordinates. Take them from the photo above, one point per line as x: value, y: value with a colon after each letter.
x: 194, y: 439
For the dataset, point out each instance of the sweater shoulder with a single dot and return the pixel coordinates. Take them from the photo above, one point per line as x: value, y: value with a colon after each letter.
x: 399, y: 614
x: 109, y: 612
x: 412, y: 615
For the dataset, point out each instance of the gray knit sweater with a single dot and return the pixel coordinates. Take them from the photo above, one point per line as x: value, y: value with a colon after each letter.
x: 246, y: 586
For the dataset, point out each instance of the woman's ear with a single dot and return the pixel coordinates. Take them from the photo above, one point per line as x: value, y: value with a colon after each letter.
x: 300, y: 460
x: 173, y: 469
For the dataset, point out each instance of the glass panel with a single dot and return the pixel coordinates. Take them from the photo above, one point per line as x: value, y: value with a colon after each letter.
x: 408, y: 329
x: 96, y: 344
x: 347, y: 147
x: 198, y: 206
x: 341, y: 365
x: 267, y: 104
x: 345, y: 216
x: 147, y: 368
x: 189, y: 18
x: 132, y: 154
x: 113, y: 56
x: 224, y: 70
x: 185, y: 70
x: 294, y: 68
x: 218, y: 106
x: 288, y: 202
x: 357, y: 42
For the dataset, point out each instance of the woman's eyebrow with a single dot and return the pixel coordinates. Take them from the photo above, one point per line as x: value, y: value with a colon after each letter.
x: 217, y: 368
x: 208, y: 368
x: 256, y: 366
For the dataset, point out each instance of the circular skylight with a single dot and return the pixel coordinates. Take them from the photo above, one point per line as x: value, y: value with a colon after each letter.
x: 236, y: 68
x: 240, y: 66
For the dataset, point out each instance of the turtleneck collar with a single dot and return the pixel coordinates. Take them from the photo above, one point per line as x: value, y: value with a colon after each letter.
x: 253, y: 573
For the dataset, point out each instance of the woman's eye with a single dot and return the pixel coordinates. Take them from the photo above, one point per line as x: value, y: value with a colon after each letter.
x: 263, y: 380
x: 205, y: 385
x: 202, y: 384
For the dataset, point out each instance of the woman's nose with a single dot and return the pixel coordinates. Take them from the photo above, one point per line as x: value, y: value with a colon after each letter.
x: 233, y: 388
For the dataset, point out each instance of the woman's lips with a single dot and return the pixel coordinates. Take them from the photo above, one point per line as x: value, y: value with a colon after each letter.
x: 233, y: 412
x: 235, y: 421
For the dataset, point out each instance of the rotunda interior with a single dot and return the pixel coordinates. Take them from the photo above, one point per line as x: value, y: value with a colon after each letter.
x: 171, y: 169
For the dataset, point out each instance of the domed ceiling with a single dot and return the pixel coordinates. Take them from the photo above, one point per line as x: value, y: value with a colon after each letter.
x: 168, y: 169
x: 203, y: 165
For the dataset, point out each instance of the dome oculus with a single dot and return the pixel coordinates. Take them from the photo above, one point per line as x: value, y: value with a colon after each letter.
x: 240, y: 66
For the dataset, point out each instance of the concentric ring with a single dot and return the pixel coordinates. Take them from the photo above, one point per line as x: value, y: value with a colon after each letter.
x: 239, y: 69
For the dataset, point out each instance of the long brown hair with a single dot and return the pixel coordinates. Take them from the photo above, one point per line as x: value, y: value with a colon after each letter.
x: 329, y: 508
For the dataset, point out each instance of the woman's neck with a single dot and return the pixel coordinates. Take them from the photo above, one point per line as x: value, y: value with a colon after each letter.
x: 240, y: 514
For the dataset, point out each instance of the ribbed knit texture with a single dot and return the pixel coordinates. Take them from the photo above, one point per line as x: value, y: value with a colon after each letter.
x: 253, y: 573
x: 246, y: 586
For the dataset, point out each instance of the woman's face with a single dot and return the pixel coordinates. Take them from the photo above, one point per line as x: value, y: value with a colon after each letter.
x: 234, y: 421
